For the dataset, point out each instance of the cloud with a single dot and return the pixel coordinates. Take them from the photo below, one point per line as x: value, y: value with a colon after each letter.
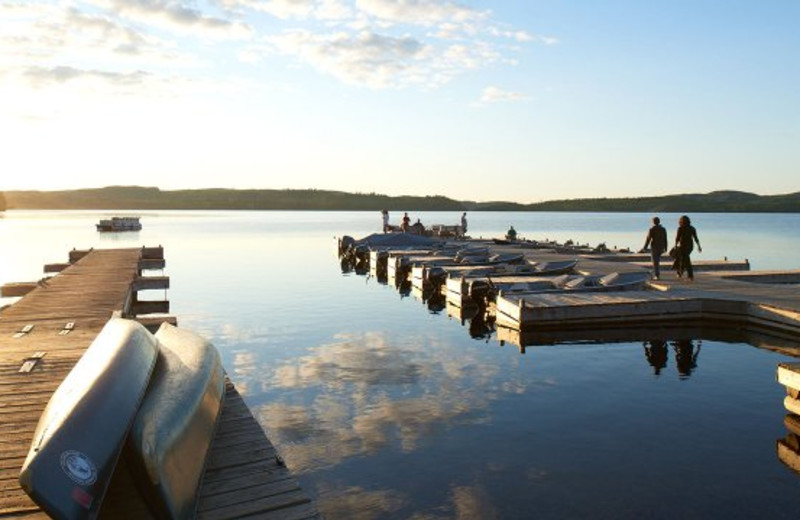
x: 421, y: 12
x: 366, y: 58
x: 496, y: 95
x: 294, y: 9
x: 384, y: 44
x: 42, y: 76
x: 176, y: 15
x: 378, y: 44
x: 283, y: 9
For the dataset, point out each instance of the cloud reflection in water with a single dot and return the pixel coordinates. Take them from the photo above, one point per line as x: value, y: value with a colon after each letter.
x: 365, y: 393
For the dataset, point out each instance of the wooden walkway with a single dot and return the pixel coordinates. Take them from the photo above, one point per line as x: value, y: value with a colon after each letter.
x: 48, y: 330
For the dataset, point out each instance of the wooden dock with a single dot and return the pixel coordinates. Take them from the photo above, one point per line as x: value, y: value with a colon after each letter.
x: 45, y: 333
x: 725, y: 293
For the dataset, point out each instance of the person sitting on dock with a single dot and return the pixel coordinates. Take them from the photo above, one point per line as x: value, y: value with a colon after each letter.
x: 657, y: 240
x: 511, y: 234
x: 417, y: 228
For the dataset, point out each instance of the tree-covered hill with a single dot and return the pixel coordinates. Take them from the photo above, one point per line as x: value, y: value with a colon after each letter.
x: 136, y: 197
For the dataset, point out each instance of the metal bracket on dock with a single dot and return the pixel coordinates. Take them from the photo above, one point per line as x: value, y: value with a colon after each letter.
x: 68, y: 327
x: 30, y: 363
x: 23, y: 331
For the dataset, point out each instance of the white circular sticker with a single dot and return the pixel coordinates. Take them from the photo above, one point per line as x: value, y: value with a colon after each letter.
x: 79, y: 467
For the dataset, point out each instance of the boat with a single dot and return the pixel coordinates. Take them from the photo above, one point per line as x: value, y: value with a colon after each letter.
x: 610, y: 282
x: 172, y: 432
x: 115, y: 224
x: 82, y: 430
x: 487, y: 289
x: 436, y: 271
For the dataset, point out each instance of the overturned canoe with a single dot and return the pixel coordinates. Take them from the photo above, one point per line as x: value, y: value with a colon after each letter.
x: 173, y: 430
x: 82, y: 430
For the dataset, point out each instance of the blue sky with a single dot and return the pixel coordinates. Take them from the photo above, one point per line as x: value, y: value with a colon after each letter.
x: 506, y: 100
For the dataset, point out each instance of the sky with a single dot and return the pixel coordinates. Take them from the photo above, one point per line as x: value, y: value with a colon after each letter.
x: 514, y: 100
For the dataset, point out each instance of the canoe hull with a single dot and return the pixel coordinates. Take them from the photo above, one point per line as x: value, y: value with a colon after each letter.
x: 82, y: 430
x: 173, y: 430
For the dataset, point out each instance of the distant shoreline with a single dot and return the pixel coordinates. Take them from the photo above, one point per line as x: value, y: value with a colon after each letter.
x: 148, y: 198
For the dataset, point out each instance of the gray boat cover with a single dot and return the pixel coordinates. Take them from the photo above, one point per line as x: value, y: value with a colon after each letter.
x: 398, y: 240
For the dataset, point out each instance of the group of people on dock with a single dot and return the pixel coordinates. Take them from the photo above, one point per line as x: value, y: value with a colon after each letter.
x: 417, y: 227
x: 685, y: 238
x: 656, y: 241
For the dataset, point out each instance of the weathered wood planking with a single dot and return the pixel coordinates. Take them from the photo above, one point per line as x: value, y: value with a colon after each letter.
x: 84, y: 294
x: 243, y: 476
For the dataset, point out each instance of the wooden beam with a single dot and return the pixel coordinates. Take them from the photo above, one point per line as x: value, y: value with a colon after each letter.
x: 55, y: 268
x: 14, y: 289
x: 146, y: 264
x: 142, y: 283
x: 150, y: 307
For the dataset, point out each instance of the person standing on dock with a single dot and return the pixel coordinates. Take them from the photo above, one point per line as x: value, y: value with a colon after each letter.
x: 684, y: 244
x: 406, y: 221
x: 657, y: 241
x: 385, y: 215
x: 464, y: 223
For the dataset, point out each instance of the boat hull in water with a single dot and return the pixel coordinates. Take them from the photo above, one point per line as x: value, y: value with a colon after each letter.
x: 82, y: 430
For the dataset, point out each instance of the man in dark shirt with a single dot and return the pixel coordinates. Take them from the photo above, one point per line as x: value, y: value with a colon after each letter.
x: 657, y: 241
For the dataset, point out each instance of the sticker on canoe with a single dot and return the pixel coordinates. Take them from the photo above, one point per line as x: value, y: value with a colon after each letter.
x: 79, y: 467
x: 82, y: 497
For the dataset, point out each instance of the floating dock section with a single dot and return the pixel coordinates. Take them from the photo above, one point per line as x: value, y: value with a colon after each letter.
x: 725, y: 293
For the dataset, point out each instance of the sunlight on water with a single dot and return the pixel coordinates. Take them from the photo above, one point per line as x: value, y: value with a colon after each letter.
x: 385, y: 407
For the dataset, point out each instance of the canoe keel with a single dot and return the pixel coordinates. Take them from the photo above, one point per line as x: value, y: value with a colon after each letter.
x: 173, y: 430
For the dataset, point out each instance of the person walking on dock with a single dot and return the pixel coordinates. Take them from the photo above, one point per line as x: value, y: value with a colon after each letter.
x: 657, y: 241
x: 464, y: 223
x: 685, y: 238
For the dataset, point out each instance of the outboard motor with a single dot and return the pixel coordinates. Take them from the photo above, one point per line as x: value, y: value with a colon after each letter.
x: 345, y: 244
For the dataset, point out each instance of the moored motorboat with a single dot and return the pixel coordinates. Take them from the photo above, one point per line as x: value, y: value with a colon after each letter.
x: 119, y: 224
x: 82, y: 430
x: 624, y: 281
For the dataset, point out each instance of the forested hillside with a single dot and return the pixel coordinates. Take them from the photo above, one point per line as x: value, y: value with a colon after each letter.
x: 136, y: 197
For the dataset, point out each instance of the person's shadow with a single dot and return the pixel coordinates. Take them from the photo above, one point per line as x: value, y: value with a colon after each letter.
x: 655, y: 350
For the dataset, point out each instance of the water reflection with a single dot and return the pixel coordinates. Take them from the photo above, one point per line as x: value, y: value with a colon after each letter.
x: 788, y: 448
x: 686, y: 356
x: 434, y: 300
x: 686, y: 353
x: 358, y: 503
x: 365, y: 393
x: 655, y: 351
x: 479, y: 320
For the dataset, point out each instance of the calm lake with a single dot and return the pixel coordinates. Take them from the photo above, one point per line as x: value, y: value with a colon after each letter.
x: 385, y: 409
